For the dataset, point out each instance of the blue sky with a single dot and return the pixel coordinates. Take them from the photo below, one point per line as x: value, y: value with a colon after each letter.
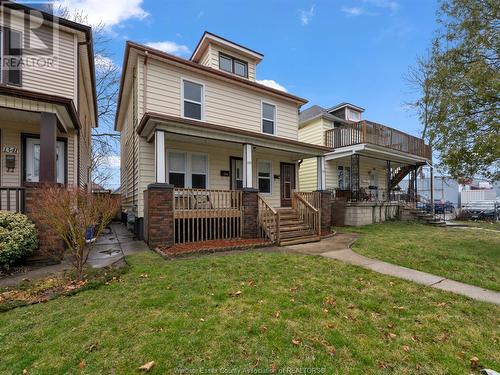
x: 325, y: 51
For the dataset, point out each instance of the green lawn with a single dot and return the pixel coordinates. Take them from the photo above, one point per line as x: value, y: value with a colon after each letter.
x: 251, y: 310
x: 481, y: 224
x: 471, y: 256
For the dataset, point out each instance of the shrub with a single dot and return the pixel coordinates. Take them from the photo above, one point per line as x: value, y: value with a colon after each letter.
x: 18, y: 237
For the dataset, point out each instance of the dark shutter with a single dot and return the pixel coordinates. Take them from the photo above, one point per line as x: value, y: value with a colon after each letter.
x: 12, y: 53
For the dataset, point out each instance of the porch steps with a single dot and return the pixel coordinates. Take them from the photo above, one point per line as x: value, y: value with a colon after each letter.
x: 293, y: 231
x: 426, y: 218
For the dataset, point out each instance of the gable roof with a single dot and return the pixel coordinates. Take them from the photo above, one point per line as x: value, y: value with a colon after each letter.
x: 209, y: 37
x: 345, y: 104
x: 315, y: 112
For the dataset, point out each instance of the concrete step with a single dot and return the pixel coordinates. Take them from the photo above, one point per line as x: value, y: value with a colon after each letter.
x: 300, y: 240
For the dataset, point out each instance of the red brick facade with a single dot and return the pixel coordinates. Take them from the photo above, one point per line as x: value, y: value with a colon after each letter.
x: 159, y: 215
x: 51, y: 248
x: 250, y: 213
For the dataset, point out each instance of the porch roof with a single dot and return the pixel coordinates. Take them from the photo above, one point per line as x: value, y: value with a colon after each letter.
x: 35, y: 102
x: 199, y: 129
x: 376, y: 152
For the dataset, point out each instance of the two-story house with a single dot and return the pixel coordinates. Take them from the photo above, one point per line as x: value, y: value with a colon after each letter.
x: 366, y: 163
x: 47, y: 100
x: 205, y: 125
x: 47, y: 108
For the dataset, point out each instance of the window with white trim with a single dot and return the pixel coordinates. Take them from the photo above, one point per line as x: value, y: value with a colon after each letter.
x: 268, y: 118
x: 192, y: 100
x: 264, y: 168
x: 188, y: 170
x: 344, y: 177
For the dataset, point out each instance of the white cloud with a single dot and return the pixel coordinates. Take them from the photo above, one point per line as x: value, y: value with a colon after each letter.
x: 112, y: 161
x: 392, y: 5
x: 306, y: 15
x: 106, y: 12
x: 170, y: 47
x: 104, y: 63
x: 353, y: 11
x: 272, y: 83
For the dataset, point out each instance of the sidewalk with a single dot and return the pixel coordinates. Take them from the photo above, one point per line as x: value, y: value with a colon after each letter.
x: 338, y: 248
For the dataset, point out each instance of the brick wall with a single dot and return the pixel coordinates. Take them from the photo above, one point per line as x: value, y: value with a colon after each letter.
x: 159, y: 215
x: 326, y: 210
x: 51, y: 248
x: 250, y: 213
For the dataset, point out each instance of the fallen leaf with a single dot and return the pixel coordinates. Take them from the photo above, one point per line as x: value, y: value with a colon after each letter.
x: 202, y: 320
x: 81, y: 364
x: 144, y: 275
x: 273, y: 368
x: 391, y: 283
x: 442, y: 337
x: 406, y: 348
x: 263, y: 328
x: 25, y: 372
x: 294, y: 289
x: 400, y: 308
x: 391, y: 335
x: 441, y: 304
x: 474, y: 363
x: 330, y: 301
x: 235, y: 294
x: 330, y: 325
x: 326, y: 311
x: 296, y: 342
x: 147, y: 366
x: 277, y: 314
x: 461, y: 354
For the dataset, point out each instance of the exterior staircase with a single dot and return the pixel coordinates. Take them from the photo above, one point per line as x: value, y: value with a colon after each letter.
x: 425, y: 217
x: 399, y: 174
x: 293, y: 230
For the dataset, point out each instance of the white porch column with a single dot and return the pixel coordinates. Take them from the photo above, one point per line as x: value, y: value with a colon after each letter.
x: 160, y: 165
x: 247, y: 166
x: 321, y: 174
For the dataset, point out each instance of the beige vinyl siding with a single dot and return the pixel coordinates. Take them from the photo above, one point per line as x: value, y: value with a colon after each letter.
x: 206, y: 57
x: 307, y: 175
x: 57, y: 80
x: 213, y: 60
x: 224, y: 103
x: 311, y: 133
x: 10, y: 133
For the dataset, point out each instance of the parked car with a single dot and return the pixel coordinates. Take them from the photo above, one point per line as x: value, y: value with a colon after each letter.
x: 482, y: 210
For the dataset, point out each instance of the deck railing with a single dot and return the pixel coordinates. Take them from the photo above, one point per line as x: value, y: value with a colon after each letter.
x: 268, y: 220
x: 203, y: 215
x: 12, y: 199
x: 376, y: 134
x: 313, y: 197
x: 308, y: 214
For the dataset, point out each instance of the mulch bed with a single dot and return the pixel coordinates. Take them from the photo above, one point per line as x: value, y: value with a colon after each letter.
x: 212, y: 246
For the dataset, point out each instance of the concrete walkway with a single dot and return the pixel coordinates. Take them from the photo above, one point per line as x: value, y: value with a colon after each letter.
x: 108, y: 250
x: 339, y: 248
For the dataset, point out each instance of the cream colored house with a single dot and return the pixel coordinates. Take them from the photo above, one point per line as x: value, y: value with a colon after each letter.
x: 47, y: 101
x: 205, y: 123
x: 366, y: 163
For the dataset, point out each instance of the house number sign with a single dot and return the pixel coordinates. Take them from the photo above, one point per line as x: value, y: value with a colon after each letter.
x: 9, y: 149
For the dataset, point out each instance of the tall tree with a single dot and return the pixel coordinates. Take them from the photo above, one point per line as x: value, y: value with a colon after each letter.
x: 460, y: 86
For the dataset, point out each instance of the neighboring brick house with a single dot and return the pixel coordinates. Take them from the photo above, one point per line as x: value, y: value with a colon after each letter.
x: 47, y: 104
x: 208, y: 128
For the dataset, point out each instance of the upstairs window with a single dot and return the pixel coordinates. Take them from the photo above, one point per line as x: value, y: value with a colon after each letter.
x: 268, y: 118
x: 192, y: 100
x: 231, y: 65
x: 10, y: 56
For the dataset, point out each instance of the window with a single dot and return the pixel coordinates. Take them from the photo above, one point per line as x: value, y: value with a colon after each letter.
x: 188, y: 170
x: 32, y: 160
x: 268, y: 118
x: 199, y: 170
x: 231, y: 65
x: 264, y: 176
x: 373, y: 179
x: 344, y: 177
x: 192, y: 101
x: 10, y: 56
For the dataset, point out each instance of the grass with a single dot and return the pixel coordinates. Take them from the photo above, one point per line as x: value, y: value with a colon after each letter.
x: 493, y: 225
x: 467, y: 255
x: 252, y: 310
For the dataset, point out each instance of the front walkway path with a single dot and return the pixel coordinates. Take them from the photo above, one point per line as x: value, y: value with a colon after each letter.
x: 339, y: 248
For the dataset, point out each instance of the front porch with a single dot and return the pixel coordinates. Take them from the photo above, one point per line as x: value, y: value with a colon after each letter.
x: 225, y: 183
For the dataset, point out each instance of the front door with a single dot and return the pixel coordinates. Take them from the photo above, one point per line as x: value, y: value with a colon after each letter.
x: 236, y: 173
x: 32, y: 172
x: 287, y: 184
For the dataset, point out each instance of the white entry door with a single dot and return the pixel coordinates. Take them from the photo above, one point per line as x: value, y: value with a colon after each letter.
x: 33, y: 160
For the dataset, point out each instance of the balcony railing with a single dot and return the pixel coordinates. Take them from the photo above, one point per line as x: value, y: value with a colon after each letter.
x: 376, y: 134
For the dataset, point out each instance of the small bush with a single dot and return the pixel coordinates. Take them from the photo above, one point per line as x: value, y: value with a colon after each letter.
x: 18, y: 237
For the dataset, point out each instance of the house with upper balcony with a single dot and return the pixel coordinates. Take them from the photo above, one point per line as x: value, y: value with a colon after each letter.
x: 47, y: 103
x: 206, y: 151
x: 365, y: 165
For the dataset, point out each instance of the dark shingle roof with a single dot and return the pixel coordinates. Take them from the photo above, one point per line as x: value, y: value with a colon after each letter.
x: 317, y: 111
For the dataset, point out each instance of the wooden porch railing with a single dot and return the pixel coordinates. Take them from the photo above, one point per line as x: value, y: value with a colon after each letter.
x: 313, y: 197
x: 308, y: 214
x: 268, y: 221
x: 203, y: 215
x: 12, y: 199
x: 376, y: 134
